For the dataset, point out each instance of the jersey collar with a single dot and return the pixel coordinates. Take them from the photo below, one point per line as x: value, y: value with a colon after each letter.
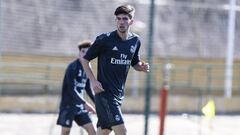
x: 130, y: 35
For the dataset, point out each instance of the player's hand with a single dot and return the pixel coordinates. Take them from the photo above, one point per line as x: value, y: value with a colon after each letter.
x: 89, y: 107
x: 144, y: 66
x: 97, y: 86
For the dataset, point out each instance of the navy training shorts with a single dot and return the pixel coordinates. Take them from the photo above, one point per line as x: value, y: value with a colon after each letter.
x: 108, y: 111
x: 67, y: 115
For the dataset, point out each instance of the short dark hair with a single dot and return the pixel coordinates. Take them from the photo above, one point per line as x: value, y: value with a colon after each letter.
x: 84, y: 44
x: 125, y: 9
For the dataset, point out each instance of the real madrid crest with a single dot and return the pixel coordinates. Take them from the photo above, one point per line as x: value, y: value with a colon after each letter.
x: 133, y: 49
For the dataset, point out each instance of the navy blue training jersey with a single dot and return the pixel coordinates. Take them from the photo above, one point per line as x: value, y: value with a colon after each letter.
x: 114, y: 59
x: 75, y: 81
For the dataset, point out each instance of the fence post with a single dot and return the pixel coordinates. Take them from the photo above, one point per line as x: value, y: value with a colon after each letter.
x: 47, y: 80
x: 164, y: 95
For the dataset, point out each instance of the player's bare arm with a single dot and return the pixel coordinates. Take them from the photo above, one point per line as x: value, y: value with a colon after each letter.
x: 89, y: 107
x: 97, y: 86
x: 142, y: 66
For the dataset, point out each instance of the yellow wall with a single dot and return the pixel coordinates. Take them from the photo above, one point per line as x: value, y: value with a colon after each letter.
x: 192, y: 73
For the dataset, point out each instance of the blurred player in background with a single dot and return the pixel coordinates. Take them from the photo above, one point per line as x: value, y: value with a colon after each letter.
x: 116, y: 51
x: 73, y: 106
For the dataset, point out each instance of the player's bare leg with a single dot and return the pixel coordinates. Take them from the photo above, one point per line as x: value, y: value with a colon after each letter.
x: 90, y: 129
x: 120, y: 129
x: 65, y: 131
x: 101, y: 131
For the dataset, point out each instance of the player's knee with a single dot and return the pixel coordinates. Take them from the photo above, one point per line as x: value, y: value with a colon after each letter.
x: 105, y: 132
x: 121, y: 131
x: 124, y: 131
x: 65, y: 132
x: 91, y: 132
x: 90, y: 129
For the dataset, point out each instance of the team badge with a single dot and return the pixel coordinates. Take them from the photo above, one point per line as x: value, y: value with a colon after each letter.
x: 67, y: 122
x: 117, y: 117
x: 133, y: 49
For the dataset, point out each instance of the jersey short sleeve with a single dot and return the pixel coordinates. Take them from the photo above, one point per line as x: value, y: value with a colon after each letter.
x: 95, y: 49
x: 136, y: 56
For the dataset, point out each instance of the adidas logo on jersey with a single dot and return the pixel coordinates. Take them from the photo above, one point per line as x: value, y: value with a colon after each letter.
x: 115, y: 48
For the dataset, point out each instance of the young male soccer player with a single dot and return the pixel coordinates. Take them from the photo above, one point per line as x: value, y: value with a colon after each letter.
x: 73, y: 106
x: 116, y: 51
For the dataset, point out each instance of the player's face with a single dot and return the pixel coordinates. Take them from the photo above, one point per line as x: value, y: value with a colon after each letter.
x: 82, y: 52
x: 123, y: 22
